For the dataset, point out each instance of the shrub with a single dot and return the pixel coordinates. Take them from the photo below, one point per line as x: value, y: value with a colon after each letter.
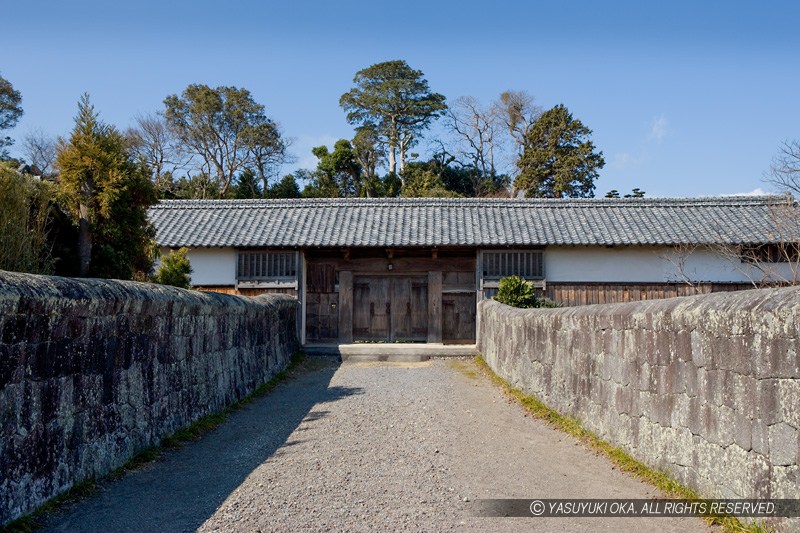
x: 174, y: 269
x: 517, y: 292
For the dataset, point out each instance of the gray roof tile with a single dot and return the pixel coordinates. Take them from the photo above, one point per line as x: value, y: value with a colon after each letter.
x: 465, y: 222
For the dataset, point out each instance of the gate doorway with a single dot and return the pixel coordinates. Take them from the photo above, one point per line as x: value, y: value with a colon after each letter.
x: 390, y: 308
x: 458, y: 317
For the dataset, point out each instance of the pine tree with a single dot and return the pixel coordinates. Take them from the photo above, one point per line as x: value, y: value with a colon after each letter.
x: 558, y: 159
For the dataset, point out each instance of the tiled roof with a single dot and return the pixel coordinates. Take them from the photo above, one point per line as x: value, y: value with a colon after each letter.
x: 464, y: 222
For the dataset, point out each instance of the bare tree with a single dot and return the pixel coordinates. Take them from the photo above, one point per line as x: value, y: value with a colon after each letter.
x: 677, y: 256
x: 776, y: 262
x: 517, y: 111
x: 155, y: 145
x: 475, y: 129
x: 785, y: 169
x: 268, y: 151
x: 40, y: 151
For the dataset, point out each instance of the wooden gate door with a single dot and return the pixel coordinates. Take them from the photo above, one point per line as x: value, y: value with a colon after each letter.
x: 409, y: 309
x: 458, y: 317
x: 322, y: 303
x: 390, y: 308
x: 371, y: 308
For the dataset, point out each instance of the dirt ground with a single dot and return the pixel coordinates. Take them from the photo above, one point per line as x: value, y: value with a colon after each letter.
x: 366, y: 447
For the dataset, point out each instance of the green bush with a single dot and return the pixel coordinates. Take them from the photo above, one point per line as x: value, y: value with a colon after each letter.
x: 517, y: 292
x: 174, y: 269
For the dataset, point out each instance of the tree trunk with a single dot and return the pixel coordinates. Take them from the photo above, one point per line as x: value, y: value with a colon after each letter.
x: 84, y: 241
x: 392, y: 161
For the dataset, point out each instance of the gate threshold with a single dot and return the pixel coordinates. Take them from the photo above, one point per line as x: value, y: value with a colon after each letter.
x: 404, y: 352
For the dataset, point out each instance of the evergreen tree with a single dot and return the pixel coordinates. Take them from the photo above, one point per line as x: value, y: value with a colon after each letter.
x: 339, y: 168
x: 247, y: 185
x: 286, y: 188
x: 394, y: 101
x: 558, y: 159
x: 174, y: 269
x: 107, y: 193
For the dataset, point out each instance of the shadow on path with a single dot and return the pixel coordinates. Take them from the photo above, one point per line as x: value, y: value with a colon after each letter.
x: 186, y: 486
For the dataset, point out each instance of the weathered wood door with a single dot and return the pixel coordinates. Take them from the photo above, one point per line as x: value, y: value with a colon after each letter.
x: 322, y: 300
x: 371, y: 308
x: 409, y: 309
x: 389, y: 308
x: 458, y: 317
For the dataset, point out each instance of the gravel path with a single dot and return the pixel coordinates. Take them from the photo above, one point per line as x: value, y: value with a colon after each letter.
x: 365, y: 447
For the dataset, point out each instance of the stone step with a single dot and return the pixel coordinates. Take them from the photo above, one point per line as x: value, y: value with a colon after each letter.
x: 385, y: 358
x: 398, y: 352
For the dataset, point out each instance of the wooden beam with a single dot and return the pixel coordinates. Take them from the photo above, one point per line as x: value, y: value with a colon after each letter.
x: 435, y: 306
x: 301, y: 262
x: 345, y: 307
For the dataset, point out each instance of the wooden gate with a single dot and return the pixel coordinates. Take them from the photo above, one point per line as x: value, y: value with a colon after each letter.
x: 458, y: 317
x: 387, y: 308
x: 322, y: 303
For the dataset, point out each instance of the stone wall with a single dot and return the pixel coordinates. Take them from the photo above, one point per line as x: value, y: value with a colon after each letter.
x: 93, y: 371
x: 704, y: 387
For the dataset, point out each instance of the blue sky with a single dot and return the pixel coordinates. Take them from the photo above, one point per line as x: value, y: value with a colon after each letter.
x: 684, y: 98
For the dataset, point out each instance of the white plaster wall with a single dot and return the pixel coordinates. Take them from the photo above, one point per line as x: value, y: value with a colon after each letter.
x: 645, y: 264
x: 711, y: 265
x: 217, y: 266
x: 213, y: 266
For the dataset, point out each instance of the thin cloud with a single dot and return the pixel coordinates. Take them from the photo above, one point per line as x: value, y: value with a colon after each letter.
x: 659, y: 129
x: 758, y: 191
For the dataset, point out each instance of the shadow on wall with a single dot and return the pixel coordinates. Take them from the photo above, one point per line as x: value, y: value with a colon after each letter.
x: 187, y: 486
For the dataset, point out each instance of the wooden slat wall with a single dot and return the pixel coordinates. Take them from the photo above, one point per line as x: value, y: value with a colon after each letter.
x: 247, y: 292
x: 569, y: 294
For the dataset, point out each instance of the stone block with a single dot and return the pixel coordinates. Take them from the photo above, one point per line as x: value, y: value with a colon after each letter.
x: 759, y: 437
x: 680, y: 412
x: 675, y: 381
x: 788, y: 391
x: 698, y: 349
x: 743, y: 431
x: 785, y: 482
x: 735, y: 354
x: 768, y: 401
x: 784, y: 444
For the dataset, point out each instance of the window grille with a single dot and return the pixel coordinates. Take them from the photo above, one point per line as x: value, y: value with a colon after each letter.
x: 527, y: 264
x: 785, y: 252
x: 261, y: 265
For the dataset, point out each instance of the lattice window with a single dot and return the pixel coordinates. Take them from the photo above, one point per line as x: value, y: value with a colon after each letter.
x: 261, y: 265
x: 528, y: 264
x: 785, y: 252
